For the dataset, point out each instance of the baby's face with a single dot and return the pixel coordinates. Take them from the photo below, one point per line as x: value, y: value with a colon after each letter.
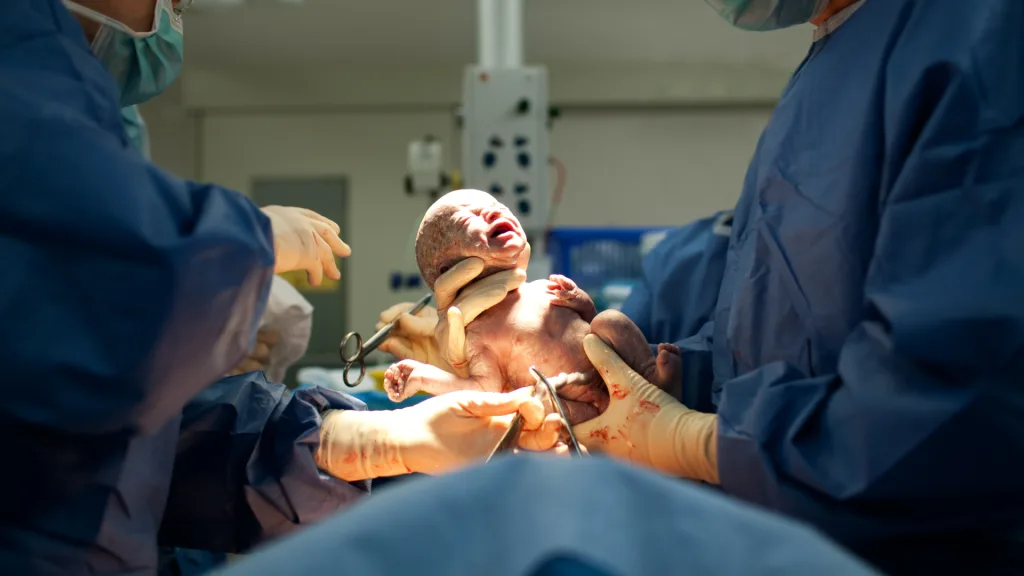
x: 469, y: 223
x: 489, y: 229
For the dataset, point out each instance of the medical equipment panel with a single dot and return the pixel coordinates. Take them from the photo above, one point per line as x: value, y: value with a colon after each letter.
x: 505, y: 139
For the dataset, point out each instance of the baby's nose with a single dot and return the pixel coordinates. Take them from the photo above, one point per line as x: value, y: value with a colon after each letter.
x: 492, y: 214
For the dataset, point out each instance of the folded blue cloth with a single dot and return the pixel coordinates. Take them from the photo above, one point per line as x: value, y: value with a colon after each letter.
x: 379, y: 400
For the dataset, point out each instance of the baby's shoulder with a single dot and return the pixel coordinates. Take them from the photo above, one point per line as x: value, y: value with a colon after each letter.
x: 538, y: 289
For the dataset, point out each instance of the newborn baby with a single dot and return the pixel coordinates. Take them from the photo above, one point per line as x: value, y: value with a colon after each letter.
x: 540, y: 324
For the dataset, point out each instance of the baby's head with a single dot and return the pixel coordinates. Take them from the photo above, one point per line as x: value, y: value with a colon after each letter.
x: 467, y: 223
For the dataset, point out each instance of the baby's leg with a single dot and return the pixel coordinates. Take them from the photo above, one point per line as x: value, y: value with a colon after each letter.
x: 663, y: 368
x: 567, y: 294
x: 408, y: 377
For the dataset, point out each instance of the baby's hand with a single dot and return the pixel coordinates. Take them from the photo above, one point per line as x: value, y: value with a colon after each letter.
x: 567, y: 294
x: 398, y: 381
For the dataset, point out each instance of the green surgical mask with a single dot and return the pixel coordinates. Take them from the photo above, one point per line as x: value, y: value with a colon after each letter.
x: 143, y: 64
x: 768, y: 14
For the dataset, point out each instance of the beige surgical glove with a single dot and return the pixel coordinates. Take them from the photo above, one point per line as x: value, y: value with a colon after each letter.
x: 416, y: 337
x: 437, y: 435
x: 474, y: 300
x: 413, y: 336
x: 647, y: 426
x: 305, y: 240
x: 259, y: 358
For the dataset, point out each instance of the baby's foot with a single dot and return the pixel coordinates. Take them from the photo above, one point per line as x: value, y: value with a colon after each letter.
x: 397, y: 381
x: 663, y: 369
x: 567, y: 294
x: 668, y: 374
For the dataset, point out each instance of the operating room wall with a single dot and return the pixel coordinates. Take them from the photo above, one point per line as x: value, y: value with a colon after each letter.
x: 624, y: 167
x: 173, y: 133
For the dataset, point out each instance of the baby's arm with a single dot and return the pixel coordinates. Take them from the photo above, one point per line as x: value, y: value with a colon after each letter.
x: 408, y: 377
x: 568, y: 295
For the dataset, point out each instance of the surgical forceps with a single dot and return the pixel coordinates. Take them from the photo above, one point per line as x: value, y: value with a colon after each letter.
x: 364, y: 349
x: 511, y: 437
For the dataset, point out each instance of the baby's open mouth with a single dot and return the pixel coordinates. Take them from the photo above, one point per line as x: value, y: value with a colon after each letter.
x: 500, y: 228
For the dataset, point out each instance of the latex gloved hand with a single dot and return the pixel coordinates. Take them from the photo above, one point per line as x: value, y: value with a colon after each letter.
x: 305, y: 240
x: 646, y: 425
x: 465, y: 305
x: 416, y: 337
x: 413, y: 336
x: 259, y: 358
x: 289, y: 317
x: 437, y: 435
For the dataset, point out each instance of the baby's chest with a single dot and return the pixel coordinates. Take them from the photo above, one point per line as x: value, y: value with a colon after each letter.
x: 529, y: 332
x: 522, y: 319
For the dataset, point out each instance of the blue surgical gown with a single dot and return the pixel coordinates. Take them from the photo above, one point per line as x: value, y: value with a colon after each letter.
x: 136, y: 130
x: 868, y: 340
x: 538, y: 515
x: 172, y: 561
x: 126, y: 293
x: 676, y: 298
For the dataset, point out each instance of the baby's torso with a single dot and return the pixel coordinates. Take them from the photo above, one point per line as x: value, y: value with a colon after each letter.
x: 527, y: 330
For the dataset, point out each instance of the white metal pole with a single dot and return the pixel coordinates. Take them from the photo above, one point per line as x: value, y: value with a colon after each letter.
x: 488, y: 34
x: 511, y: 25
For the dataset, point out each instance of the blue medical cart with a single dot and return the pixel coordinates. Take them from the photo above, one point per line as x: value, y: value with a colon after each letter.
x: 604, y: 262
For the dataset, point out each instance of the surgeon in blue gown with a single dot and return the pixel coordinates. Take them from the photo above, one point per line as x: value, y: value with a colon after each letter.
x: 127, y: 292
x: 867, y: 342
x: 134, y: 290
x: 868, y: 337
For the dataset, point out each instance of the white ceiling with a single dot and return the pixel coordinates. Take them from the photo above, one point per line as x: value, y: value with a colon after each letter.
x: 347, y: 32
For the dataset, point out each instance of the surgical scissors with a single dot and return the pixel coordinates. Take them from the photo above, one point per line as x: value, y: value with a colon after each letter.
x: 511, y: 437
x: 364, y: 349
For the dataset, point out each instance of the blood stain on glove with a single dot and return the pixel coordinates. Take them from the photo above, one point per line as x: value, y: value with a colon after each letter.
x: 648, y: 407
x: 618, y: 392
x: 623, y: 434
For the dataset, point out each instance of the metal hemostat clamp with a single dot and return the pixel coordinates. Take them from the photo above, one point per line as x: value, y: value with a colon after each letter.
x: 511, y: 437
x: 358, y: 357
x: 574, y: 444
